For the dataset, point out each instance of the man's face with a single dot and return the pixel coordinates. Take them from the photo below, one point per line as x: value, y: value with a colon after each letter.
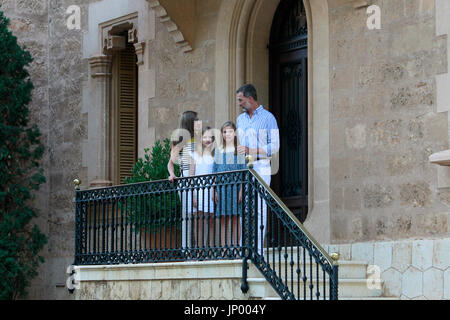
x: 243, y: 102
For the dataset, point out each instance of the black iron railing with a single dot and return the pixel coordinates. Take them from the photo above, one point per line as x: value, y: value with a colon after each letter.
x: 210, y: 217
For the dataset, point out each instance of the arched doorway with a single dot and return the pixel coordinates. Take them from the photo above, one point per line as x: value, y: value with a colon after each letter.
x: 289, y: 103
x: 235, y: 24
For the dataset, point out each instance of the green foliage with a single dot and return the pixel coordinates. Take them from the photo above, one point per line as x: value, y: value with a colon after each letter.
x: 159, y: 209
x: 154, y: 167
x: 20, y: 152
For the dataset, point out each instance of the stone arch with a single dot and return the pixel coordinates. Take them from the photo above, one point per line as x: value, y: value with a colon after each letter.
x: 242, y: 36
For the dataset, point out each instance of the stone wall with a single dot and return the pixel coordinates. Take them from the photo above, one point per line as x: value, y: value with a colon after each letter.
x: 383, y: 118
x: 409, y: 269
x: 384, y: 123
x: 60, y: 73
x: 162, y: 281
x: 57, y: 73
x: 185, y: 81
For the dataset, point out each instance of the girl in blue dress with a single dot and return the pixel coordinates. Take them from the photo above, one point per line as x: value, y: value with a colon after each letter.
x: 228, y: 197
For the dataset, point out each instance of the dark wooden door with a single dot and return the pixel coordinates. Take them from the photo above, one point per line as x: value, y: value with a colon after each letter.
x: 289, y: 103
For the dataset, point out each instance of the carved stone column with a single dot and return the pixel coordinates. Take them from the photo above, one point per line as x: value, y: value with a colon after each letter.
x: 99, y: 119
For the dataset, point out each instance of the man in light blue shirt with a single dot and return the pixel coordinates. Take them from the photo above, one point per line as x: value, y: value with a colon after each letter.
x: 258, y: 136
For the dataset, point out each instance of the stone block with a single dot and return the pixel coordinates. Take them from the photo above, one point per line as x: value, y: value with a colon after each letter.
x: 369, y: 75
x: 118, y: 290
x: 415, y: 194
x: 342, y: 78
x: 345, y: 250
x: 156, y: 290
x: 194, y: 58
x: 400, y: 163
x: 422, y: 254
x: 387, y: 133
x: 35, y: 7
x: 352, y: 199
x: 342, y: 106
x: 402, y: 225
x: 430, y: 223
x: 441, y: 254
x: 205, y: 289
x: 433, y: 284
x: 392, y: 72
x: 200, y: 81
x: 410, y: 38
x: 446, y: 290
x: 7, y: 5
x: 415, y: 130
x: 412, y: 283
x: 363, y: 252
x: 382, y: 255
x: 392, y: 286
x: 383, y: 225
x: 355, y: 137
x: 377, y: 196
x: 172, y: 88
x: 401, y: 255
x: 337, y: 198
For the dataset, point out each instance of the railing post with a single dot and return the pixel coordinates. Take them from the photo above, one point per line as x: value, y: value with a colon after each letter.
x: 335, y: 277
x: 77, y: 183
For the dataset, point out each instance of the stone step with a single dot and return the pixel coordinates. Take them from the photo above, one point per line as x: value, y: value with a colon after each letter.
x: 349, y: 298
x: 352, y: 288
x: 347, y: 269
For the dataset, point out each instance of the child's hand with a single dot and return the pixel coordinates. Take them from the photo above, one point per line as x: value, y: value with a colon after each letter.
x: 240, y: 196
x: 194, y: 203
x: 215, y: 197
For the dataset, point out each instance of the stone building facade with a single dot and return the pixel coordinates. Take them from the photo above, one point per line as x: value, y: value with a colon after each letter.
x: 378, y: 102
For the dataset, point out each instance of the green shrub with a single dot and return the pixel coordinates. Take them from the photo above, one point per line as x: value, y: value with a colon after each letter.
x: 20, y: 175
x: 158, y: 209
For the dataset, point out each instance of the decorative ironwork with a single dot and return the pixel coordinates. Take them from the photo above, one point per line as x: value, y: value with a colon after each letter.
x: 295, y: 22
x: 155, y: 222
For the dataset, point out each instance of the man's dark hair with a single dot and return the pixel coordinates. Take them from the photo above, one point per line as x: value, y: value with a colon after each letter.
x: 248, y: 90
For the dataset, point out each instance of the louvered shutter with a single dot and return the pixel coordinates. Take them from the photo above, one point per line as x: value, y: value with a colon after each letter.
x: 127, y: 111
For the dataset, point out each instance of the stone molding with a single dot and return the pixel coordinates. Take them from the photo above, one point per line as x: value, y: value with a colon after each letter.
x: 139, y: 48
x: 111, y: 41
x: 171, y: 26
x: 100, y: 65
x: 441, y: 158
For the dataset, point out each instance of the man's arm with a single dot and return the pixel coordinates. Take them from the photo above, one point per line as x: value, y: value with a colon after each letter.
x: 272, y: 145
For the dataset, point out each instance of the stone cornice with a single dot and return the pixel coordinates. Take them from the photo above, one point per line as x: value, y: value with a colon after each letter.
x: 171, y: 26
x: 441, y: 158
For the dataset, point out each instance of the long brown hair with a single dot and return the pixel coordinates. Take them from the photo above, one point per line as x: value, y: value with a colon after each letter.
x: 232, y: 125
x: 187, y: 123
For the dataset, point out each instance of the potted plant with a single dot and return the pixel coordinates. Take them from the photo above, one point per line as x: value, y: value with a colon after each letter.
x: 157, y: 215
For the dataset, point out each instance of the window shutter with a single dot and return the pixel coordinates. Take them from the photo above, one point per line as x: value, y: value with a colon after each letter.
x: 127, y: 111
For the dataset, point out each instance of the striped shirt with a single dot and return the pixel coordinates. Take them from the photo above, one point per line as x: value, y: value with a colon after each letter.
x: 185, y: 158
x: 259, y: 131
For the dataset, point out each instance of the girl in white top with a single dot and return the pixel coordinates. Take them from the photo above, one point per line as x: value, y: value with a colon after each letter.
x: 204, y: 160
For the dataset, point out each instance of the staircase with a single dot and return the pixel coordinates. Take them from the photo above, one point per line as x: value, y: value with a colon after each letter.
x: 353, y: 284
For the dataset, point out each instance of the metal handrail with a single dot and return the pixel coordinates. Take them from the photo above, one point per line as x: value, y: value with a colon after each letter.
x: 333, y: 260
x: 112, y: 226
x: 276, y: 280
